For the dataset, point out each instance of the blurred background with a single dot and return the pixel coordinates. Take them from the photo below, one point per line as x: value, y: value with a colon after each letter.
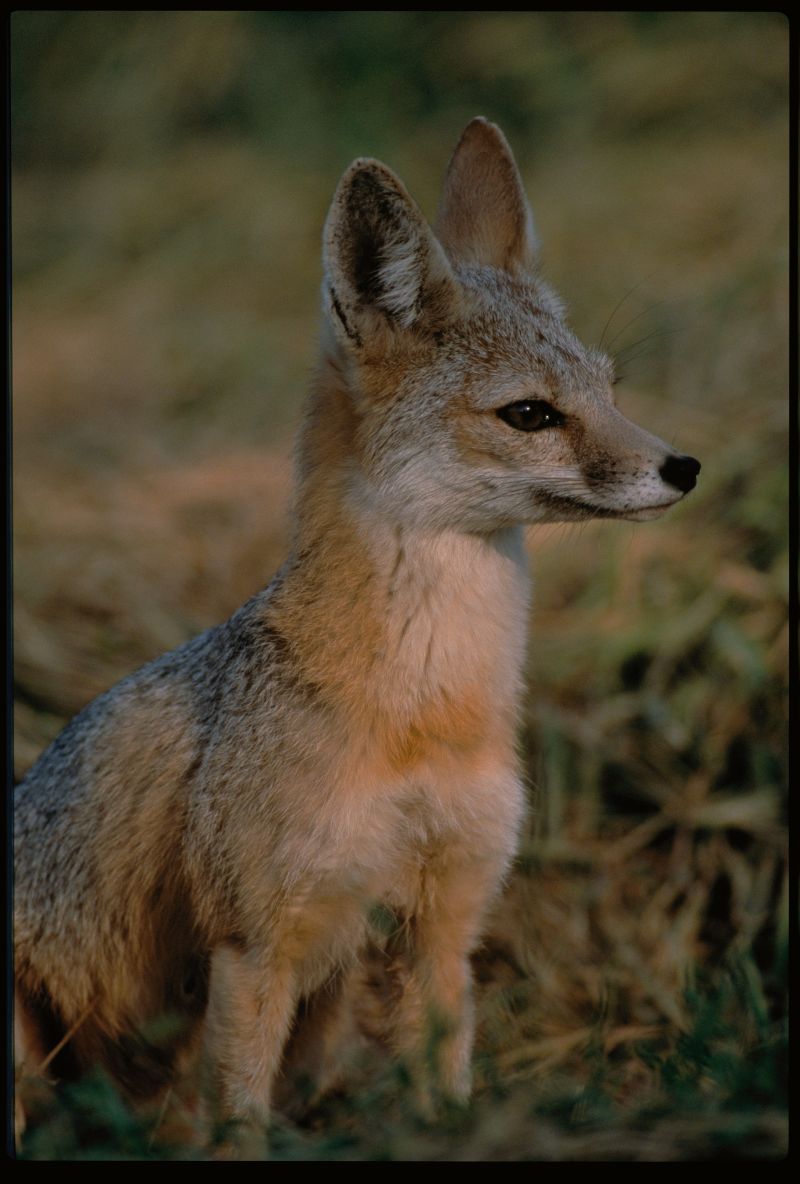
x: 171, y: 174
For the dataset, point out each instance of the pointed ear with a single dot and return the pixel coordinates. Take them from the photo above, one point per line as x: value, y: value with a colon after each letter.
x: 383, y: 265
x: 484, y: 217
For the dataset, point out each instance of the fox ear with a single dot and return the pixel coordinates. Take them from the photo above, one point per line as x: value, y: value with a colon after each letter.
x: 382, y: 261
x: 484, y: 217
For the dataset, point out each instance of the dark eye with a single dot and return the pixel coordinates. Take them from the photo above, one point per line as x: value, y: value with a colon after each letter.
x: 531, y: 415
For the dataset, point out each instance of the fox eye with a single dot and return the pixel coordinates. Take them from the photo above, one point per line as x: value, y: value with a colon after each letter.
x: 531, y: 415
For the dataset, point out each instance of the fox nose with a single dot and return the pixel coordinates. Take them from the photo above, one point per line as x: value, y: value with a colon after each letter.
x: 680, y: 471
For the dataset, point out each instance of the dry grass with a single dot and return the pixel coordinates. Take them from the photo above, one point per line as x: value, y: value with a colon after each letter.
x: 166, y: 258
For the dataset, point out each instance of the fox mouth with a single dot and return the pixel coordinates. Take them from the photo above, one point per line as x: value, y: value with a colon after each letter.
x: 645, y: 512
x: 576, y: 507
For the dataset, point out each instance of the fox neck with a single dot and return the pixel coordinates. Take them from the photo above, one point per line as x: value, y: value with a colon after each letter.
x: 418, y: 636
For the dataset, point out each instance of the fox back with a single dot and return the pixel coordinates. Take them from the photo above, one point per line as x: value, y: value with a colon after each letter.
x: 209, y: 839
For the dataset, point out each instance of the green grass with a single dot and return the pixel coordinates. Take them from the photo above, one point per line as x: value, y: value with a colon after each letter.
x: 715, y: 1090
x: 171, y: 176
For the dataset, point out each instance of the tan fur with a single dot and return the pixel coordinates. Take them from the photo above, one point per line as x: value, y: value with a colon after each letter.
x: 210, y: 837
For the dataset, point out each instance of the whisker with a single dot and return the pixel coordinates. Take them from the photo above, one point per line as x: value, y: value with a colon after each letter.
x: 625, y: 358
x: 633, y: 321
x: 619, y: 305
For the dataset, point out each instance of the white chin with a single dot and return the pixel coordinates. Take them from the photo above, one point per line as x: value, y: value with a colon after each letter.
x: 647, y: 513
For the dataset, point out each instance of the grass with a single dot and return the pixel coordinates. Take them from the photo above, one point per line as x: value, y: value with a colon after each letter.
x: 632, y: 988
x: 714, y: 1090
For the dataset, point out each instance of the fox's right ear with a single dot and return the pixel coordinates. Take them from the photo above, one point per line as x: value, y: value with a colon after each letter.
x: 484, y: 217
x: 384, y: 269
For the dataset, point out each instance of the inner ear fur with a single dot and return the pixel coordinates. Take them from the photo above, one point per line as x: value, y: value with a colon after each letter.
x: 484, y: 218
x: 382, y: 260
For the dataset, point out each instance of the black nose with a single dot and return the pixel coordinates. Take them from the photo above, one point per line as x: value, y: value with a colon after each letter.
x: 680, y: 471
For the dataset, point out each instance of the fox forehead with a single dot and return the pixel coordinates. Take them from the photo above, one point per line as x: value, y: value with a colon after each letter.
x: 511, y: 344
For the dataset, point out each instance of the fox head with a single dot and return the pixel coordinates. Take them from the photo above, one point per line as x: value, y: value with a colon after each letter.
x: 463, y: 399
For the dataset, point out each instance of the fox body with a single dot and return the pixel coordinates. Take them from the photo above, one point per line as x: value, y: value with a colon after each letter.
x: 208, y: 838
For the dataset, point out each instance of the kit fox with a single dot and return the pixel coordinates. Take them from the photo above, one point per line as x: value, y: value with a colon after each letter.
x: 208, y: 839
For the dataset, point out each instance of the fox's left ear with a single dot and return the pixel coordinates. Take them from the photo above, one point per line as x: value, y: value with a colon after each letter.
x: 484, y: 217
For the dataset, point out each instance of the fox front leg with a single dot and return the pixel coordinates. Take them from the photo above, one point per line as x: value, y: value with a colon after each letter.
x: 251, y: 1006
x: 434, y: 1021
